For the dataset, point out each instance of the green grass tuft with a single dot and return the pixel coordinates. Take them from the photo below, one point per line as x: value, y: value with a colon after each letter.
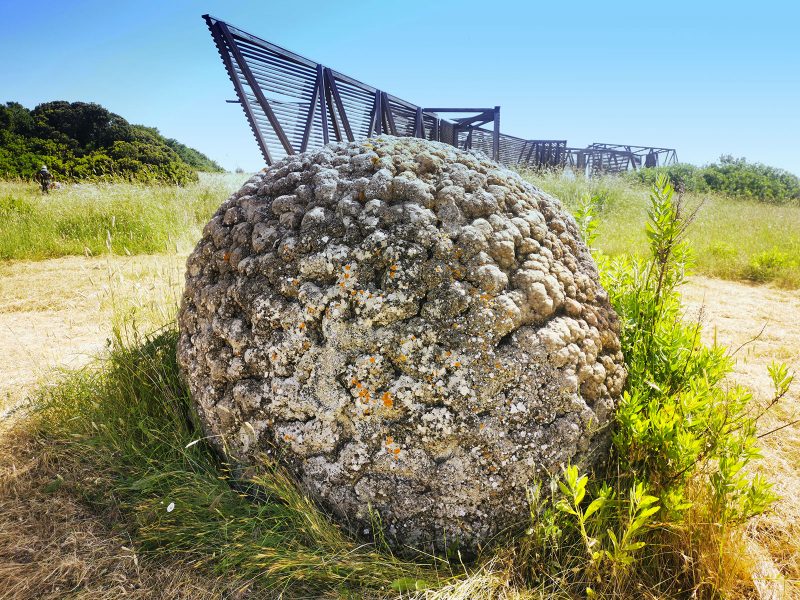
x: 736, y: 239
x: 131, y: 425
x: 93, y: 219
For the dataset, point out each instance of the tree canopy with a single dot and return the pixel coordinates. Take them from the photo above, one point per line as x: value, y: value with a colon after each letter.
x: 84, y: 141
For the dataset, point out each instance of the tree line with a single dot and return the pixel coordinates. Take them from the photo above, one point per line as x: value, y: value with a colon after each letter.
x: 84, y: 141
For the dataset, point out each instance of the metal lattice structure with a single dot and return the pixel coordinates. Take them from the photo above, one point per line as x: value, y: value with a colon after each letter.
x: 600, y: 158
x: 294, y: 104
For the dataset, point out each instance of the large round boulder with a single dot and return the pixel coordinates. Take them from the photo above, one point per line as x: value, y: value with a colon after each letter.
x: 409, y: 328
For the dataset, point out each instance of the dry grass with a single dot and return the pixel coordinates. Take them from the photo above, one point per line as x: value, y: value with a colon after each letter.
x: 59, y: 313
x: 762, y: 323
x: 52, y: 545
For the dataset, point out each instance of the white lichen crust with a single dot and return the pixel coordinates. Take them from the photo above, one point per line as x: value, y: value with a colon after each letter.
x: 412, y: 327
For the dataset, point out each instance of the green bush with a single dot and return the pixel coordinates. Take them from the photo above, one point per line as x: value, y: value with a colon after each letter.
x: 83, y: 141
x: 734, y: 177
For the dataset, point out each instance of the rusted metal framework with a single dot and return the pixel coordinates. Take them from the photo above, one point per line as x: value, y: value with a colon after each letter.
x: 599, y: 158
x: 294, y: 104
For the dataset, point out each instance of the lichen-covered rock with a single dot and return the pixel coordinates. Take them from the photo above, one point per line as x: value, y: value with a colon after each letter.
x: 411, y: 327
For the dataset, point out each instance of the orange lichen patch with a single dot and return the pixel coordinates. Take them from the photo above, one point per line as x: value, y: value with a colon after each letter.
x: 354, y: 382
x: 347, y: 275
x: 363, y: 393
x: 456, y: 364
x: 386, y: 398
x: 402, y: 358
x: 372, y: 359
x: 497, y: 365
x: 301, y: 326
x: 274, y: 356
x: 347, y: 267
x: 389, y: 440
x: 226, y: 256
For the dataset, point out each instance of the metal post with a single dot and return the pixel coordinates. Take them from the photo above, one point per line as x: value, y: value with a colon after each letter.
x: 322, y: 108
x: 496, y: 136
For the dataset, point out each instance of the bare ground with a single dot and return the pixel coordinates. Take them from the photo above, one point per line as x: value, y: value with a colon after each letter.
x: 58, y: 314
x: 761, y: 325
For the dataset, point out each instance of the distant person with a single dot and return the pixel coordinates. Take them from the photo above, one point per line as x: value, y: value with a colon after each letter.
x: 45, y: 179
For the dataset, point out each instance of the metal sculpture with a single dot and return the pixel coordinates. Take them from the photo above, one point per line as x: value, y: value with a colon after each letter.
x: 293, y: 104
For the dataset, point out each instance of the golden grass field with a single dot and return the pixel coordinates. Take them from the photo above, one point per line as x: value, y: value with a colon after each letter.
x: 58, y: 313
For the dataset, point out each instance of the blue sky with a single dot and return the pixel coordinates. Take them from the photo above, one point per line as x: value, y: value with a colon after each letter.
x: 707, y: 78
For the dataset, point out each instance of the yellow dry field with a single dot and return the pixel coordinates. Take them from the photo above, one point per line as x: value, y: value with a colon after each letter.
x: 58, y: 314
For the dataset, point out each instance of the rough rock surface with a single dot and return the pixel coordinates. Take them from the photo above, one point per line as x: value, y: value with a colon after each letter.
x: 411, y: 327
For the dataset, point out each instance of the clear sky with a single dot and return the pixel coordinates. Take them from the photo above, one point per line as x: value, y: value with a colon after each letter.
x: 707, y: 78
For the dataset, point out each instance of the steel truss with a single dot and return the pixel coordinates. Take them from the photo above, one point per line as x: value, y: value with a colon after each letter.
x: 293, y: 104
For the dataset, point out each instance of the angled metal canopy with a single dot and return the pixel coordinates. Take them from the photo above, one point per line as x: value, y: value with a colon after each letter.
x: 293, y: 104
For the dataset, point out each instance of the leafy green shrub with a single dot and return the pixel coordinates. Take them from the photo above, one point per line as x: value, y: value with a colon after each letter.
x: 682, y: 444
x: 734, y: 177
x: 765, y: 266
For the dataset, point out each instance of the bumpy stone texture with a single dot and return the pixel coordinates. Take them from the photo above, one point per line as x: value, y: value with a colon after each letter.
x: 412, y: 327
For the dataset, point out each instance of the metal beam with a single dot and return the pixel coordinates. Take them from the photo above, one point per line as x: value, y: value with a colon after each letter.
x: 216, y: 34
x: 251, y: 81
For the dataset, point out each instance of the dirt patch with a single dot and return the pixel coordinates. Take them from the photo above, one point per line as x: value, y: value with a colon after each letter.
x: 60, y: 313
x: 762, y: 325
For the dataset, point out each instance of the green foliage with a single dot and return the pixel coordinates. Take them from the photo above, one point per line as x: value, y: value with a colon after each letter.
x: 683, y: 440
x: 84, y: 141
x: 766, y: 265
x: 733, y: 177
x: 586, y: 215
x: 678, y: 425
x: 193, y: 158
